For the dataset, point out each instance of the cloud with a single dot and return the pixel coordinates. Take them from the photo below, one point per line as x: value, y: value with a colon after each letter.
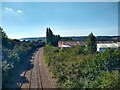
x: 19, y: 11
x: 10, y: 9
x: 13, y: 10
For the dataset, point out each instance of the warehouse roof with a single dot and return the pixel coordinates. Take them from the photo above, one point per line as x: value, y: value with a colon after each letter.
x: 108, y: 45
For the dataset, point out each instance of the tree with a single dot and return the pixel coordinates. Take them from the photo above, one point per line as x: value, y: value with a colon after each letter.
x: 39, y: 39
x: 4, y: 38
x: 51, y: 38
x: 91, y: 43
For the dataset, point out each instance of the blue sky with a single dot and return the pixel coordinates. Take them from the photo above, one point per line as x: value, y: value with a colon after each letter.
x: 30, y: 19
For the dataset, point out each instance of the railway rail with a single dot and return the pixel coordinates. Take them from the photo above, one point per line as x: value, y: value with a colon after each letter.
x: 39, y: 76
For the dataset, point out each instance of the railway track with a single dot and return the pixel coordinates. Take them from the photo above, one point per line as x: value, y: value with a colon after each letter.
x: 38, y: 77
x: 35, y: 76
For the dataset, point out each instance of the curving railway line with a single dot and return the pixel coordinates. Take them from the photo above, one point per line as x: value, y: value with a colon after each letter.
x: 39, y: 76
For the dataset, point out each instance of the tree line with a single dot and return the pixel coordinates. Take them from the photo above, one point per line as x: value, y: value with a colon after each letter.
x: 53, y: 40
x: 14, y: 54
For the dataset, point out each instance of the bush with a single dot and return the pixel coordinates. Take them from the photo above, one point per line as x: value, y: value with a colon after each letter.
x: 75, y: 68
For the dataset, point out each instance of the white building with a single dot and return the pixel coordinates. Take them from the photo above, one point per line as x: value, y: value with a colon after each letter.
x: 101, y: 47
x: 64, y: 46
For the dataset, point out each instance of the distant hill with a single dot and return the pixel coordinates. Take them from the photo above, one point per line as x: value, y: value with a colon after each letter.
x: 79, y: 38
x: 33, y: 39
x: 98, y: 38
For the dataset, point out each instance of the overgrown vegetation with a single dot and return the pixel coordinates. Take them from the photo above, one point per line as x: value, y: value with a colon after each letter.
x: 77, y: 68
x: 14, y: 54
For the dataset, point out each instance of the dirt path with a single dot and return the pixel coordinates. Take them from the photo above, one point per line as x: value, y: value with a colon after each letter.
x: 39, y: 76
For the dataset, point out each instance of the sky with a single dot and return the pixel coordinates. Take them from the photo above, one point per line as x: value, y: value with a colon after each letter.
x: 30, y: 19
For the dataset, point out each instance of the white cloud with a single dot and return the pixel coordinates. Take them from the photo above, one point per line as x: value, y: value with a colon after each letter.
x: 10, y: 9
x: 13, y: 10
x: 19, y: 11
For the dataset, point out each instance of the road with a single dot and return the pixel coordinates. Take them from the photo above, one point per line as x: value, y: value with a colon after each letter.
x: 39, y: 76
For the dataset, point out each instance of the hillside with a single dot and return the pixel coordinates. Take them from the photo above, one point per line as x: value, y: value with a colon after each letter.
x: 76, y: 68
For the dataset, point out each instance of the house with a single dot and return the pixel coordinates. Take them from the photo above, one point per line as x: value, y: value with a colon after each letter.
x: 67, y: 44
x: 101, y: 47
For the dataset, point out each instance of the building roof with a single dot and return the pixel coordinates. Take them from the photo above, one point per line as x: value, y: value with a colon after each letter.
x: 108, y: 45
x: 65, y: 46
